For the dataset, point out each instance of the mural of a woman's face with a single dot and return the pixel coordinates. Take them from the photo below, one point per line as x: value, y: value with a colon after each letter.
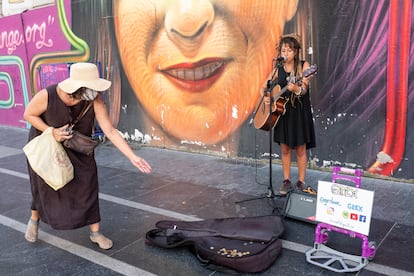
x: 197, y: 66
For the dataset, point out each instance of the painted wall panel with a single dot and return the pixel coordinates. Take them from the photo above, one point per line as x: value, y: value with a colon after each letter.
x: 192, y: 82
x: 22, y: 37
x: 13, y: 63
x: 353, y: 93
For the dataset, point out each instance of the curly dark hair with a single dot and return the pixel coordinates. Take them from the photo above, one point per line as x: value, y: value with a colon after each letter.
x: 293, y: 43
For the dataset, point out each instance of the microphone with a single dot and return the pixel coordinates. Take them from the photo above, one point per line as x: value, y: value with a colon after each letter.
x: 281, y: 58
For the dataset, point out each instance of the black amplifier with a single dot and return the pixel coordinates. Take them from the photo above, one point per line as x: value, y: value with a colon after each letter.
x: 301, y: 206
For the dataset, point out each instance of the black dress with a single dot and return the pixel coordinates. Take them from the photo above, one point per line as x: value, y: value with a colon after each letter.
x: 295, y: 127
x: 76, y: 204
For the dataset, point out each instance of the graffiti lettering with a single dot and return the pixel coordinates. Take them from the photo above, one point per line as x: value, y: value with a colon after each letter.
x: 37, y: 34
x: 11, y: 40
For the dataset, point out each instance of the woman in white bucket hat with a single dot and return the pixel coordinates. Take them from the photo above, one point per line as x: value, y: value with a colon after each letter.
x: 76, y: 204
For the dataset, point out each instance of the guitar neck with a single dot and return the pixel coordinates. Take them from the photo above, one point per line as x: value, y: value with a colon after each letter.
x: 307, y: 73
x: 283, y: 90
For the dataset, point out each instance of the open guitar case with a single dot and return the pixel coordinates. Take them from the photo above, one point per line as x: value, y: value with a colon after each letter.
x: 233, y: 245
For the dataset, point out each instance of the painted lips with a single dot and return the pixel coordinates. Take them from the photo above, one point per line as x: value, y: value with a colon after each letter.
x: 195, y: 77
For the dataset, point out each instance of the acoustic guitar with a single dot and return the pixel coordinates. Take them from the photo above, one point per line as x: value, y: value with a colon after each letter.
x: 263, y: 119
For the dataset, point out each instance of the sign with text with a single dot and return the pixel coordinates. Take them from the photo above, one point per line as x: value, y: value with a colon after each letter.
x: 344, y: 206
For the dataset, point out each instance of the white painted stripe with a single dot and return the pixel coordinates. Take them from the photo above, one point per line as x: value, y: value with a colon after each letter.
x: 147, y: 208
x: 81, y: 251
x: 8, y: 151
x: 301, y: 248
x: 295, y: 246
x: 14, y: 173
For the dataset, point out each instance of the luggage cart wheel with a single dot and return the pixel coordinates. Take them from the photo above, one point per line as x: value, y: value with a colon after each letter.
x: 372, y: 245
x: 325, y: 236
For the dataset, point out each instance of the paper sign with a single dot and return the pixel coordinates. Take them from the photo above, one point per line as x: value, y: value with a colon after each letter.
x: 344, y: 206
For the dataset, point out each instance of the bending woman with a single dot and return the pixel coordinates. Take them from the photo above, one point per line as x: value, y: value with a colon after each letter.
x: 76, y: 204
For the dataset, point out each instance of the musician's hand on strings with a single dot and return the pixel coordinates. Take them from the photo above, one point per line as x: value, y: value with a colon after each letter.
x: 294, y: 88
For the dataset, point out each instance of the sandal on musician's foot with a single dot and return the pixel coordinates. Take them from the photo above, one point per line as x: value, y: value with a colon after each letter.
x: 300, y: 186
x: 102, y: 241
x: 32, y: 230
x: 285, y: 188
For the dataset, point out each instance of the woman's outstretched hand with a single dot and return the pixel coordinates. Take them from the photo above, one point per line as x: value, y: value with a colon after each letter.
x: 141, y: 164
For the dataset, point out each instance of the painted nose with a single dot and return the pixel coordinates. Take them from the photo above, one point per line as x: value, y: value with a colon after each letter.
x: 188, y: 19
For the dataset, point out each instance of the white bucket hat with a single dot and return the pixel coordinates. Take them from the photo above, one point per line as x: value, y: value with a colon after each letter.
x: 84, y: 74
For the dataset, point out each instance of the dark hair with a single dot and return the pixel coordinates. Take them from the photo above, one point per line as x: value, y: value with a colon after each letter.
x: 78, y: 93
x: 294, y: 44
x: 291, y: 41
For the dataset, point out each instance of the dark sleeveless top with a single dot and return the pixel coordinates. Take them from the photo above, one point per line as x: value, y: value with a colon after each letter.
x: 75, y: 205
x: 295, y: 127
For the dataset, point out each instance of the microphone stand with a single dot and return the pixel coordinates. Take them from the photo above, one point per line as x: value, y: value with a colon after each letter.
x: 269, y: 89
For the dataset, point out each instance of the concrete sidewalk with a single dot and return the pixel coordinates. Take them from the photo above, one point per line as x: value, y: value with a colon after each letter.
x: 183, y: 186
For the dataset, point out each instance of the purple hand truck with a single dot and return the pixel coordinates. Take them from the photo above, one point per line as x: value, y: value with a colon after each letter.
x: 328, y: 258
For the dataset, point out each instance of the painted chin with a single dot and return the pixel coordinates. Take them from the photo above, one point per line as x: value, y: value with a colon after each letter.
x: 195, y: 77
